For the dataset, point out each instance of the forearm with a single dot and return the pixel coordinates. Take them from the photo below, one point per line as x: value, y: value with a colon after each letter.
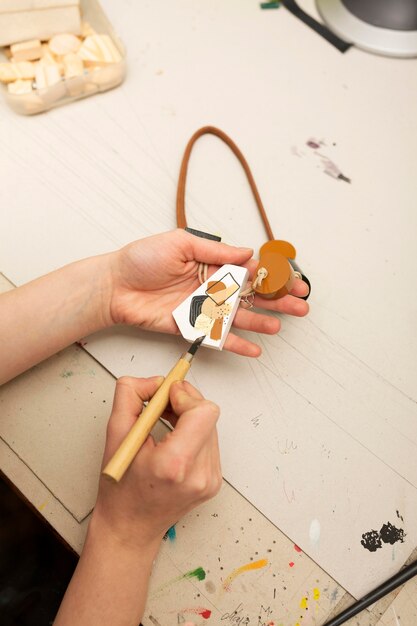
x: 110, y: 584
x: 50, y: 313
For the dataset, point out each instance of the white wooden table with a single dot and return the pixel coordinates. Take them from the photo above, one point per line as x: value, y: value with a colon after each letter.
x: 92, y: 176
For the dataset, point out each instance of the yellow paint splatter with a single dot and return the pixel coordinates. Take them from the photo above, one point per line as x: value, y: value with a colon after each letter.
x: 316, y: 593
x: 42, y: 506
x: 244, y: 568
x: 303, y: 603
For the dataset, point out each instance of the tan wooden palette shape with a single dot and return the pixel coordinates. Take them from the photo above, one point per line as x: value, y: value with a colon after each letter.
x: 211, y: 308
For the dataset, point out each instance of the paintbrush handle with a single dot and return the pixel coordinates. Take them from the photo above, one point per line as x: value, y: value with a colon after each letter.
x: 137, y: 435
x: 386, y: 587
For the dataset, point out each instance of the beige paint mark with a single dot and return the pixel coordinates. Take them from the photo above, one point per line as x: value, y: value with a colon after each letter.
x: 210, y: 586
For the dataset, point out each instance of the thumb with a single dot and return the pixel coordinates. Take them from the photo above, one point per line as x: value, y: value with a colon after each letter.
x: 197, y: 418
x: 184, y: 397
x: 217, y: 253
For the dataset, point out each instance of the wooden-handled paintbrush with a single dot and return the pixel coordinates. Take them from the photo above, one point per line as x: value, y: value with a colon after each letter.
x: 137, y: 435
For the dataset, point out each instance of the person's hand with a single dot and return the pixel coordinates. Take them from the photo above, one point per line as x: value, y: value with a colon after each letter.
x: 152, y: 276
x: 166, y: 479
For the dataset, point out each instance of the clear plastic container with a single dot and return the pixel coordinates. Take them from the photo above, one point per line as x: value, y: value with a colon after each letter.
x: 93, y: 80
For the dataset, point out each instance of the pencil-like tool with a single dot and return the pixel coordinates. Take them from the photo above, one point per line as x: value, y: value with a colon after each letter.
x: 376, y: 594
x: 137, y: 435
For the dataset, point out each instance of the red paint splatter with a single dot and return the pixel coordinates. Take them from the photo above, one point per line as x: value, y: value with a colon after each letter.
x: 291, y: 563
x: 297, y: 549
x: 198, y: 610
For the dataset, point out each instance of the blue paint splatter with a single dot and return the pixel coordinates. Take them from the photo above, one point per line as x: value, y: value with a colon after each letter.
x: 171, y: 533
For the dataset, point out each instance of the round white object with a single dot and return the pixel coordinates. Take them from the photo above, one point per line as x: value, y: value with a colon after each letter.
x: 64, y: 44
x: 341, y: 20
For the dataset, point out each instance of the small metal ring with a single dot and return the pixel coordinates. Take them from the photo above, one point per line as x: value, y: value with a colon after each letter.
x: 247, y: 301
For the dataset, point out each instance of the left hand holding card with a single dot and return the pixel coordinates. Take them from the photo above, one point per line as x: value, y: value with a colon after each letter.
x: 151, y: 277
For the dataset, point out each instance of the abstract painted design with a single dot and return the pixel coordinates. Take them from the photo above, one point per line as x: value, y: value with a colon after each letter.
x: 210, y: 310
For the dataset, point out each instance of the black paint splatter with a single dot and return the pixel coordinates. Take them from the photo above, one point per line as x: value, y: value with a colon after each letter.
x: 391, y: 534
x: 371, y: 541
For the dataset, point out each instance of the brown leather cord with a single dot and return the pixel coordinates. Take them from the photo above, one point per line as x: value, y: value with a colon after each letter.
x: 212, y: 130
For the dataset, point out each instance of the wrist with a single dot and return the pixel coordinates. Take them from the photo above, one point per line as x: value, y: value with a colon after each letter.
x: 126, y: 294
x: 122, y: 533
x: 53, y: 311
x: 110, y: 583
x: 95, y: 278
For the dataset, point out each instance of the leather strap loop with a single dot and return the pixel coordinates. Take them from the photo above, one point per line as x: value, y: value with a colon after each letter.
x: 212, y: 130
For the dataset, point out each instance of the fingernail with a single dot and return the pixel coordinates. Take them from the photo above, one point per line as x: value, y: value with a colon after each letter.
x: 179, y: 384
x: 246, y: 249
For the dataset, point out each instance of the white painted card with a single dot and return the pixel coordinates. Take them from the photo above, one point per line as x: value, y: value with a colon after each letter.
x: 211, y: 308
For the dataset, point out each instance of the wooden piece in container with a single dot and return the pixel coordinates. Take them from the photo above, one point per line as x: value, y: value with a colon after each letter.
x: 20, y: 87
x: 27, y: 50
x: 9, y: 72
x: 63, y: 44
x: 99, y: 49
